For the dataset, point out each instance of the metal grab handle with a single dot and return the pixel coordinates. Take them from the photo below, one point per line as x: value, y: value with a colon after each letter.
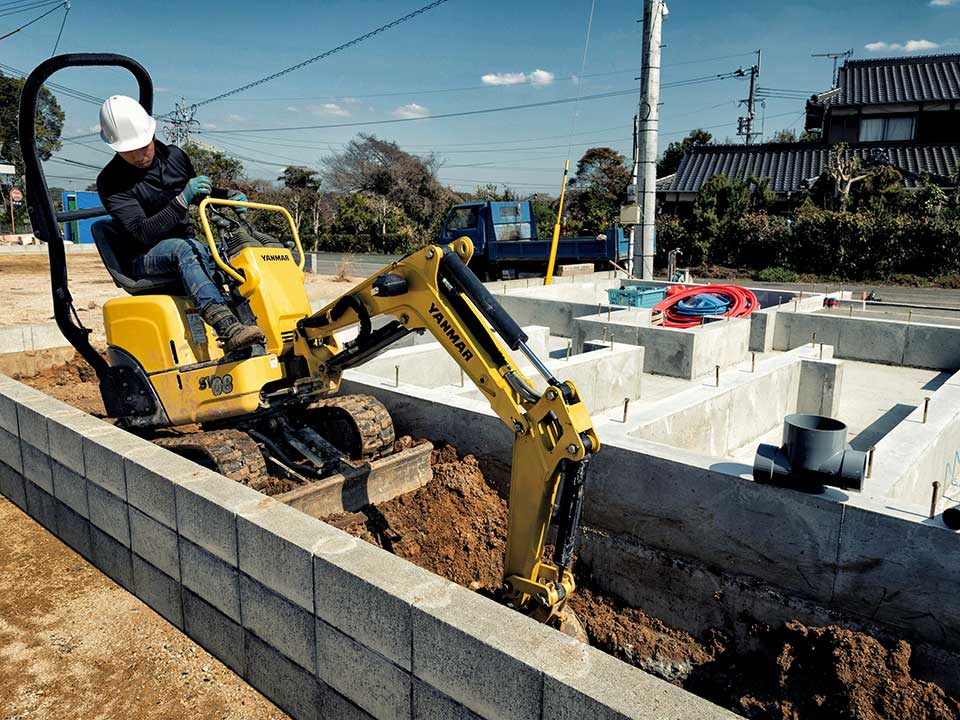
x: 221, y: 263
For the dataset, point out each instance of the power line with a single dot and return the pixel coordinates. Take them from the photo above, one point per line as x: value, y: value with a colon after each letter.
x: 4, y: 12
x: 328, y: 53
x: 60, y: 34
x: 36, y: 19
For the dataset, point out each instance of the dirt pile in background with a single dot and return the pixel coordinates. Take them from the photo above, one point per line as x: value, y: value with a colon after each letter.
x: 74, y: 383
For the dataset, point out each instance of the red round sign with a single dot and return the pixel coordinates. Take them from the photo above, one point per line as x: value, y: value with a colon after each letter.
x: 16, y: 195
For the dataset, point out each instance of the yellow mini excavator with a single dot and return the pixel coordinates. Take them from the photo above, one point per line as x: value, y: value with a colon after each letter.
x: 279, y: 401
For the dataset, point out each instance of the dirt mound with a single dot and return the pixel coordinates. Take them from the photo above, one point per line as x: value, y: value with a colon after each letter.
x: 455, y: 526
x: 829, y: 672
x: 74, y: 383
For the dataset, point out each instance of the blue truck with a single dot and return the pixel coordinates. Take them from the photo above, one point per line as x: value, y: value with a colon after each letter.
x: 505, y: 240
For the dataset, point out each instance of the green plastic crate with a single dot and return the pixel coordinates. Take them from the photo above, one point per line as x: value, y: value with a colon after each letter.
x: 639, y: 296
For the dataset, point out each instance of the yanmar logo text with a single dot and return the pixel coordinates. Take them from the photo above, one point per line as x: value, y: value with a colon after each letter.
x: 450, y: 332
x: 275, y: 256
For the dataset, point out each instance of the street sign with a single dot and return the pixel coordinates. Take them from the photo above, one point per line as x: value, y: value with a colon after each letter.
x: 16, y: 195
x: 6, y: 169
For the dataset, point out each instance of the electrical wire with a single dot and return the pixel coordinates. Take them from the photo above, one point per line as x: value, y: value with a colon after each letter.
x: 688, y: 307
x: 60, y: 34
x: 5, y: 12
x: 321, y: 56
x: 36, y: 19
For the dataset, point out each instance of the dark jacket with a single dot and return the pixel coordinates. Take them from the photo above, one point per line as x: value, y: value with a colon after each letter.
x: 144, y: 202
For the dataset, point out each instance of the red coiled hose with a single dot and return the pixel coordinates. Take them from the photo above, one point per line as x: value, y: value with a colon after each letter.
x: 742, y: 303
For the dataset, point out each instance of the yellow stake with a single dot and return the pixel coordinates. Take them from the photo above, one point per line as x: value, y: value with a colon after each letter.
x: 556, y: 228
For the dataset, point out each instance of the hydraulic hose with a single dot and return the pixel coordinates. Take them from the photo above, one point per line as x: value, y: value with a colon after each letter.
x: 687, y: 308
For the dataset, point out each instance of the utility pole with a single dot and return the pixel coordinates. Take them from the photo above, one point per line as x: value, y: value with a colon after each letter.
x: 630, y: 213
x: 181, y: 123
x: 654, y: 12
x: 745, y: 127
x: 835, y: 56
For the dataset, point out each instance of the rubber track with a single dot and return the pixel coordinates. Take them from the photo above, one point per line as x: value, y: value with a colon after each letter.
x: 232, y: 452
x: 371, y: 418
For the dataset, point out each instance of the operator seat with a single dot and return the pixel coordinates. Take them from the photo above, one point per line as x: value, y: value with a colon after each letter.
x: 114, y: 246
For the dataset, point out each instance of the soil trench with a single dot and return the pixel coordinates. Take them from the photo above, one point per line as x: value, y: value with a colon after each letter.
x: 455, y: 526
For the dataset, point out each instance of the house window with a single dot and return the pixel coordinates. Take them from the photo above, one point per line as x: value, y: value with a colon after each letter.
x: 891, y: 129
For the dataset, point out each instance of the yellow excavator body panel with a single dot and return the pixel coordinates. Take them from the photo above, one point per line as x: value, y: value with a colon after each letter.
x: 183, y: 361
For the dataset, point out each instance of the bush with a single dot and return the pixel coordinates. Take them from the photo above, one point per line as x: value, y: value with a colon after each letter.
x: 777, y: 275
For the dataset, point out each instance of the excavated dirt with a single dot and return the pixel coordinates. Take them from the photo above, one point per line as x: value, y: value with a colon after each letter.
x: 455, y: 526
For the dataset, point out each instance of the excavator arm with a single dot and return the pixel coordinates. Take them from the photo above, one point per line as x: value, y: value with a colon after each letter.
x: 433, y: 290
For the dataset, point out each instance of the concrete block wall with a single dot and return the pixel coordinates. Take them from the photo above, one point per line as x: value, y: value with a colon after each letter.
x: 881, y: 341
x: 323, y: 624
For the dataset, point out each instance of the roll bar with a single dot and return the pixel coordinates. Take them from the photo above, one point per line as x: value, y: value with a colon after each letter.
x: 43, y: 216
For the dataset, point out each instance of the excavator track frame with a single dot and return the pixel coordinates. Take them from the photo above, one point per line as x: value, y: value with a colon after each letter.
x: 229, y: 451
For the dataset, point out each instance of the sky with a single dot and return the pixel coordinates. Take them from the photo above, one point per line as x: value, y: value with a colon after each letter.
x: 460, y: 56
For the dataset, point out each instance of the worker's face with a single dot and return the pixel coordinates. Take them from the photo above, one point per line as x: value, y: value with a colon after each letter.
x: 141, y: 157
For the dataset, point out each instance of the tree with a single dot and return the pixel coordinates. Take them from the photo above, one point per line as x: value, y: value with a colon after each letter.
x: 491, y: 192
x: 223, y: 170
x: 597, y: 191
x: 303, y: 186
x: 790, y: 136
x: 379, y: 168
x: 49, y: 122
x: 675, y: 151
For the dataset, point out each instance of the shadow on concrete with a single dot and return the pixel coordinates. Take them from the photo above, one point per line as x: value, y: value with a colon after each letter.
x: 732, y: 468
x: 938, y: 382
x: 877, y: 430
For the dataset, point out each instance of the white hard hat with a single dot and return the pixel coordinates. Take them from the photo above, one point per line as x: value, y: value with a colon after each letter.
x: 124, y: 124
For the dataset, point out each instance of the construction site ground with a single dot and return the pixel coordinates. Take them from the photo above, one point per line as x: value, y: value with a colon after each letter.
x: 456, y: 527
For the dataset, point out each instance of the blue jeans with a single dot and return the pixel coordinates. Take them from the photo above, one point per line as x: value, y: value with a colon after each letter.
x: 191, y: 260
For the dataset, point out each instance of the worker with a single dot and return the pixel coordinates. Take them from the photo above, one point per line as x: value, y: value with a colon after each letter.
x: 147, y: 188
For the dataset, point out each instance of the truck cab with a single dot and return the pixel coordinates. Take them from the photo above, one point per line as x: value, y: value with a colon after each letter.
x: 506, y: 241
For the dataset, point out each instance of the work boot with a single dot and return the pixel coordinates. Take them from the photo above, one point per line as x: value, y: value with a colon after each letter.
x: 233, y: 334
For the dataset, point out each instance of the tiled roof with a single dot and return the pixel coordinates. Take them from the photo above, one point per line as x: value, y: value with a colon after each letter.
x: 926, y: 78
x: 789, y: 164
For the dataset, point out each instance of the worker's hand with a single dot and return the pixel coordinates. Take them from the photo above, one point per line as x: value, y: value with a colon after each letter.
x: 199, y: 185
x: 239, y: 197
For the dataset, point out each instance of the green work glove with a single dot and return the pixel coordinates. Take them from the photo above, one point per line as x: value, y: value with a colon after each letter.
x: 199, y: 185
x: 239, y: 197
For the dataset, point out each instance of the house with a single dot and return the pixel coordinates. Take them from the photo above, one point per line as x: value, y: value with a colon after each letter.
x: 904, y: 112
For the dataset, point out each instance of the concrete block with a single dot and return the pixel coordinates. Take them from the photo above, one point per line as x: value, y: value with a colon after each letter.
x: 36, y: 466
x: 155, y: 543
x: 109, y: 513
x: 478, y: 653
x: 871, y: 340
x: 820, y: 384
x: 103, y: 459
x: 12, y: 486
x: 335, y: 705
x: 70, y: 488
x: 207, y: 512
x: 74, y: 530
x: 150, y: 477
x: 289, y: 686
x: 8, y: 410
x: 32, y: 421
x: 275, y: 543
x: 213, y: 630
x: 900, y: 572
x: 112, y: 558
x: 431, y: 704
x: 285, y: 626
x: 210, y: 578
x: 366, y: 593
x: 360, y: 674
x: 158, y: 590
x: 66, y: 432
x: 41, y: 506
x: 10, y: 450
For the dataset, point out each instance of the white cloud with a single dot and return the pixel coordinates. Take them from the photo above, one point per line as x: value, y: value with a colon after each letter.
x: 349, y: 100
x: 234, y: 118
x: 412, y: 110
x: 331, y: 110
x: 514, y: 78
x: 208, y: 126
x: 942, y: 3
x: 908, y: 46
x: 93, y: 128
x: 537, y: 77
x: 161, y: 89
x: 540, y: 77
x: 292, y: 108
